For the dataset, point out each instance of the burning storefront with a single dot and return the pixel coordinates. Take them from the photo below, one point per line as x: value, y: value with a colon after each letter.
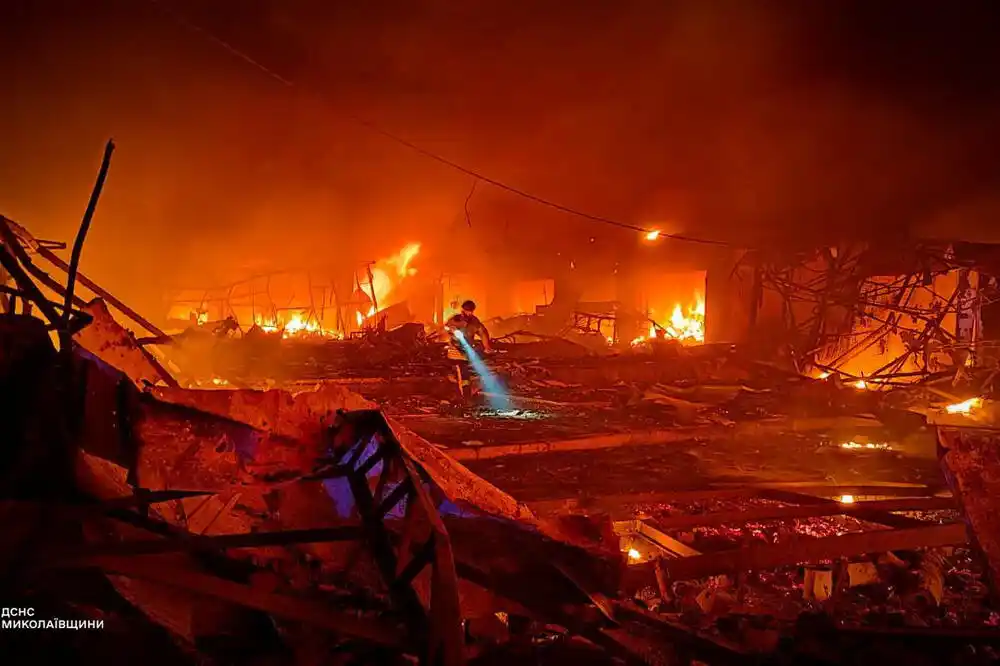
x: 618, y: 305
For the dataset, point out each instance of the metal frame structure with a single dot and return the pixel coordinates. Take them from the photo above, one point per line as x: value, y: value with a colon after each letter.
x: 826, y: 292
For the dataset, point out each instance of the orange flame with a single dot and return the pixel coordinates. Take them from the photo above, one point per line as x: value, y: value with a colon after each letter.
x: 388, y: 274
x: 295, y: 324
x: 689, y: 328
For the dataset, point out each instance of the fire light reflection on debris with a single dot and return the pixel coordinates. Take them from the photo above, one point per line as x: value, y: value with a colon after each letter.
x: 514, y: 414
x: 875, y: 446
x: 965, y: 407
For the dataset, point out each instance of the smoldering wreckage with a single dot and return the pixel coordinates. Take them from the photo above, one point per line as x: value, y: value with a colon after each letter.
x: 225, y: 517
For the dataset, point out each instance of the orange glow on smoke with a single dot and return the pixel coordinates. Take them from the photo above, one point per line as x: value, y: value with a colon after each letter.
x: 687, y: 328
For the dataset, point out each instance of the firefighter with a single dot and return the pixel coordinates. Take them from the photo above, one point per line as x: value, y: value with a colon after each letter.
x: 468, y: 323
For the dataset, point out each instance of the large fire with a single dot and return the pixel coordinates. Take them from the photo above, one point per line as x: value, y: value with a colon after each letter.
x: 686, y: 328
x: 294, y: 324
x: 386, y: 276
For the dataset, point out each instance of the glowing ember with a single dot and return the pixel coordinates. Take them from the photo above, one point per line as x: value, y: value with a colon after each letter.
x: 964, y: 407
x: 861, y: 384
x: 689, y: 328
x: 846, y: 499
x: 823, y: 375
x: 633, y: 554
x: 867, y: 445
x: 653, y: 235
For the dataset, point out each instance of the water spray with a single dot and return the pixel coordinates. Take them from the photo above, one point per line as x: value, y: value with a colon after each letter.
x: 496, y: 392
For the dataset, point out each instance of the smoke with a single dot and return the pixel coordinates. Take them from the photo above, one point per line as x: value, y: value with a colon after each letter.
x: 736, y: 120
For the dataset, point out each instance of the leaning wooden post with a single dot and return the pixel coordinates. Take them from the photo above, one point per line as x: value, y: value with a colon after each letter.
x: 81, y: 235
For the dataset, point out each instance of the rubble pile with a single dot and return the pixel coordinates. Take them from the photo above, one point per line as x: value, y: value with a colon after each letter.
x: 246, y: 523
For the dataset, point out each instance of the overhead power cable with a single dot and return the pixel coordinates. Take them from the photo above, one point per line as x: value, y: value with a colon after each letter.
x: 232, y: 50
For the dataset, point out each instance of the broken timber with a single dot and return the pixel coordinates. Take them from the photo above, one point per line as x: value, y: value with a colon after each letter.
x: 24, y: 239
x: 804, y: 511
x: 655, y: 437
x: 623, y: 503
x: 755, y: 558
x: 970, y: 460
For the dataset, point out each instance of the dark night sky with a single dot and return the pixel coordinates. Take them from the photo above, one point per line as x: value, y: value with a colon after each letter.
x: 730, y: 119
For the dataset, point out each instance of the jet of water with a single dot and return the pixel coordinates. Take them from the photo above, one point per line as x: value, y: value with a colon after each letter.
x: 497, y: 392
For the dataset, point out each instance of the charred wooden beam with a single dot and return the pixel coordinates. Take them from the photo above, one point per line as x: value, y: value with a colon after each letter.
x: 17, y: 293
x: 220, y: 542
x: 81, y: 234
x: 803, y: 511
x: 155, y: 340
x: 112, y: 343
x: 299, y: 610
x: 11, y: 265
x: 106, y: 295
x: 86, y: 507
x: 880, y: 517
x: 684, y: 639
x: 755, y: 558
x: 14, y: 244
x: 970, y: 460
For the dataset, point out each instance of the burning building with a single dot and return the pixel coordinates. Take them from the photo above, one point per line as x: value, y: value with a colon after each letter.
x: 614, y: 301
x: 306, y: 303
